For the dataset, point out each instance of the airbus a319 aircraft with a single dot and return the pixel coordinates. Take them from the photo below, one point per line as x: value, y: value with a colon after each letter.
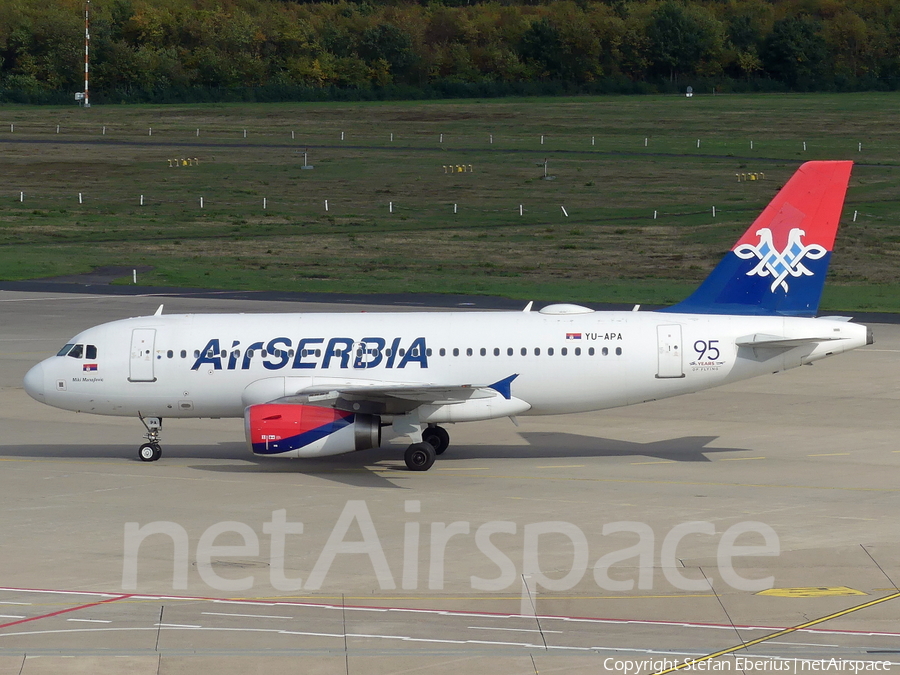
x: 311, y: 385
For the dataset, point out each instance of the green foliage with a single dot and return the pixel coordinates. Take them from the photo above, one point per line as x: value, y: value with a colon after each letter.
x: 193, y: 50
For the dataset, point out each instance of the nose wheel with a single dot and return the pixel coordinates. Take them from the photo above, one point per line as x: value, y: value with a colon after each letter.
x: 151, y: 450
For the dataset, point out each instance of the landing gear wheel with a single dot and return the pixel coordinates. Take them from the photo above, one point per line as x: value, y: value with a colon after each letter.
x: 149, y: 452
x: 438, y: 437
x: 419, y: 456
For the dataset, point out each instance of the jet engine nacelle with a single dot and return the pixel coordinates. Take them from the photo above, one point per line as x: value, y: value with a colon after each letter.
x: 293, y: 430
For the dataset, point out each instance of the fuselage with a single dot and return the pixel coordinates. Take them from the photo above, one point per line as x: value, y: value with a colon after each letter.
x: 566, y: 359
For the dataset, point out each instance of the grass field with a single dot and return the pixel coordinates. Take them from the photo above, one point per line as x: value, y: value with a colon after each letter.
x: 390, y: 224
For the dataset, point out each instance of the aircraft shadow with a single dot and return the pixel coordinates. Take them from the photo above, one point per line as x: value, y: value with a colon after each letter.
x: 383, y: 466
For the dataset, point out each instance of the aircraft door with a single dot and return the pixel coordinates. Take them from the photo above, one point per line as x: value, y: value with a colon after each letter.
x: 670, y: 350
x: 141, y: 363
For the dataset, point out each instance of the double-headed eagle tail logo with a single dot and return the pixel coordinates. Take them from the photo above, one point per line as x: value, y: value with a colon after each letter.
x: 780, y: 264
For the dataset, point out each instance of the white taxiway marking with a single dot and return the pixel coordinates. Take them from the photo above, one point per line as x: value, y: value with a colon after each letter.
x: 90, y: 620
x: 251, y: 616
x: 176, y: 625
x: 800, y: 644
x: 515, y: 630
x: 11, y: 616
x: 14, y: 603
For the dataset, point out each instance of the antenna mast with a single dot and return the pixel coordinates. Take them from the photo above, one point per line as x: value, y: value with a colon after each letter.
x: 87, y: 44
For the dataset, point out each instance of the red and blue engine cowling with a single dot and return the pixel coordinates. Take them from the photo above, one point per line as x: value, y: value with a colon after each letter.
x: 294, y: 430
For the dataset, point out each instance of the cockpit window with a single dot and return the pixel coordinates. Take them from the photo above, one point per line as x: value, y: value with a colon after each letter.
x: 65, y: 350
x: 90, y: 352
x: 76, y: 352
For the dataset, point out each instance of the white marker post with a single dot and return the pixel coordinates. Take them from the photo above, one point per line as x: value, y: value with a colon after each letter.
x: 11, y: 128
x: 860, y: 148
x: 342, y: 135
x: 492, y: 139
x: 714, y: 212
x: 392, y: 137
x: 264, y: 203
x: 454, y: 208
x: 142, y: 200
x: 442, y: 138
x: 520, y: 209
x: 57, y: 128
x: 645, y: 141
x: 542, y: 140
x: 855, y: 213
x: 592, y: 140
x: 390, y: 207
x: 201, y: 202
x: 150, y: 131
x: 292, y: 135
x: 79, y: 198
x: 751, y: 145
x: 245, y: 133
x: 654, y: 215
x: 565, y: 213
x: 198, y: 133
x: 804, y: 146
x: 698, y: 143
x: 326, y: 204
x: 21, y: 197
x: 134, y: 275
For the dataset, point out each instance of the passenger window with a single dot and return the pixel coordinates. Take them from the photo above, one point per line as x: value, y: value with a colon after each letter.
x: 618, y: 351
x: 483, y: 351
x: 605, y: 352
x: 169, y: 354
x: 537, y: 351
x: 402, y: 352
x: 550, y: 351
x: 455, y: 351
x: 196, y: 353
x: 591, y: 351
x: 469, y: 351
x: 524, y: 351
x: 65, y: 350
x: 509, y: 351
x: 184, y: 353
x: 577, y: 351
x: 77, y: 352
x: 563, y: 351
x: 443, y: 352
x: 428, y: 352
x: 91, y: 352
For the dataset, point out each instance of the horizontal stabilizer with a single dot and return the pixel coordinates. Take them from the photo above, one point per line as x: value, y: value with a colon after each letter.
x: 775, y: 341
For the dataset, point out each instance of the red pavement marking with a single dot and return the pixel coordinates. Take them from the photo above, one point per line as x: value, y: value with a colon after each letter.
x: 63, y: 611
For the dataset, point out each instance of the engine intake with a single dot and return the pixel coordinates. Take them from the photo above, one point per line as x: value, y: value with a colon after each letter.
x: 293, y: 430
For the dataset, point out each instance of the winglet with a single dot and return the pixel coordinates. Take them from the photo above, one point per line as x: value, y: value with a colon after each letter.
x: 503, y: 386
x: 778, y: 266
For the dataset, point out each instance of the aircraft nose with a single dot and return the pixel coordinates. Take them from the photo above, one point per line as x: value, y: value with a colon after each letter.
x: 34, y: 382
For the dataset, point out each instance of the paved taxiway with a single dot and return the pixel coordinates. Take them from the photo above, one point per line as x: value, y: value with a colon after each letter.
x: 811, y: 453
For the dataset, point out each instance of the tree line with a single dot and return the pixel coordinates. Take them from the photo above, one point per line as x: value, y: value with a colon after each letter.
x: 161, y: 50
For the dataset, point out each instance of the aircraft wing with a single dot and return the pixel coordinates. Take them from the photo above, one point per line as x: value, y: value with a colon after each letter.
x: 394, y: 397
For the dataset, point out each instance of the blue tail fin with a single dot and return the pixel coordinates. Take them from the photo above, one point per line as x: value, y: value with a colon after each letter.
x: 779, y: 265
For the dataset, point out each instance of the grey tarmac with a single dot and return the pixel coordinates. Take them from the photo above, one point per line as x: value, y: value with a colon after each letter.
x: 811, y: 453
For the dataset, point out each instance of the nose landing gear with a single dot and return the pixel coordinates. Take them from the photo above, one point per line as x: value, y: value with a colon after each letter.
x: 151, y: 450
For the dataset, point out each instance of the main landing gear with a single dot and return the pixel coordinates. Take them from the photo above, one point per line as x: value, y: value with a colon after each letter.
x: 421, y: 456
x: 151, y: 450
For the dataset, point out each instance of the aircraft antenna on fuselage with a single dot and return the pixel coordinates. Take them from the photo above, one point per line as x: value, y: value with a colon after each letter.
x: 158, y: 311
x: 528, y: 306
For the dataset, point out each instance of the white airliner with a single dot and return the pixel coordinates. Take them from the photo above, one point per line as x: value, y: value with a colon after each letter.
x: 310, y: 385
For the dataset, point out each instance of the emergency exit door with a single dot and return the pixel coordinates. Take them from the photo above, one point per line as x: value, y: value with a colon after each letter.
x: 670, y: 351
x: 141, y: 367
